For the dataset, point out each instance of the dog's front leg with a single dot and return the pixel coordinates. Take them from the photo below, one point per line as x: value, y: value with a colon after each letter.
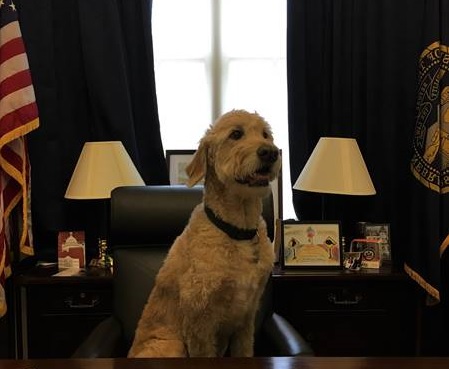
x: 200, y: 341
x: 242, y: 342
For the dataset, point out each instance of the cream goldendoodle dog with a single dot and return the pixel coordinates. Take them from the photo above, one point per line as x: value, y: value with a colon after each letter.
x: 207, y: 292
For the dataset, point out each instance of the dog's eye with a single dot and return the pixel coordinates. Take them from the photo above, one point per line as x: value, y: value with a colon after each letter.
x: 265, y: 134
x: 236, y: 134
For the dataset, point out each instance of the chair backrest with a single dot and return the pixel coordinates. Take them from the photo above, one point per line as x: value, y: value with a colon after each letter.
x: 144, y: 222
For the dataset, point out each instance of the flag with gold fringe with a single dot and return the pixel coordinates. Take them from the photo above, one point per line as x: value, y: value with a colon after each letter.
x: 429, y: 223
x: 18, y: 116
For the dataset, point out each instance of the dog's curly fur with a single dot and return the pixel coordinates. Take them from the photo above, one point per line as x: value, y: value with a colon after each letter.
x: 207, y: 292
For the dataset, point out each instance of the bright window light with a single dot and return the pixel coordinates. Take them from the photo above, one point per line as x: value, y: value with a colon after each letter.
x: 212, y: 56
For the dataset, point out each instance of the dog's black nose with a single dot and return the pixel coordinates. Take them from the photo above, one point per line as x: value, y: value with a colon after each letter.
x: 267, y: 153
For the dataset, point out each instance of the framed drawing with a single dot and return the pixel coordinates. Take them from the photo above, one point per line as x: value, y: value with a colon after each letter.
x: 311, y: 244
x: 381, y: 232
x: 177, y: 161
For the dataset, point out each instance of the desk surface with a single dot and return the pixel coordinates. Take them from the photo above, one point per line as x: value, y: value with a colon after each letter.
x: 234, y: 363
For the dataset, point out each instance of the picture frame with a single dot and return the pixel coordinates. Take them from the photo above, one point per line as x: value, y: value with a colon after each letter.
x: 311, y: 244
x: 370, y: 251
x: 71, y: 249
x: 177, y: 160
x: 380, y: 231
x: 276, y: 190
x: 352, y: 260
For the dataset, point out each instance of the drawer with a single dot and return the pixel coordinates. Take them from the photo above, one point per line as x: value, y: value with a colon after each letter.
x: 56, y: 314
x: 356, y: 334
x: 328, y: 297
x: 69, y: 300
x: 350, y: 318
x: 58, y: 336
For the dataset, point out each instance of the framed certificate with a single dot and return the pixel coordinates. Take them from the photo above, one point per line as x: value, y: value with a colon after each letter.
x: 311, y: 244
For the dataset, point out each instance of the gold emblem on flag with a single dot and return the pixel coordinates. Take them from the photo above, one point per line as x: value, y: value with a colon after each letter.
x: 430, y: 160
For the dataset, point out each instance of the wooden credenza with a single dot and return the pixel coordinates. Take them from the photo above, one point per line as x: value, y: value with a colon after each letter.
x: 372, y: 312
x: 341, y: 313
x: 57, y: 313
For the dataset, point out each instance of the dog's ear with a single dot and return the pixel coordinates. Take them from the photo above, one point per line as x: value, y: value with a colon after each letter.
x: 196, y: 170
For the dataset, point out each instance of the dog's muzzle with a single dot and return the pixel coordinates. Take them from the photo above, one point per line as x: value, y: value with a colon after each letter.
x: 268, y: 156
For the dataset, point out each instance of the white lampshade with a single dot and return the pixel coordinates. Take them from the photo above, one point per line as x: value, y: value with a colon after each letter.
x: 336, y: 166
x: 102, y: 166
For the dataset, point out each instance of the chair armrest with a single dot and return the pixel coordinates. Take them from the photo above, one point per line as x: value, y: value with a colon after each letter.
x: 103, y: 341
x: 284, y: 339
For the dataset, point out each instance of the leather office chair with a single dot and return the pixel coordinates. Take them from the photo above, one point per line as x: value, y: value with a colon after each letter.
x: 144, y: 222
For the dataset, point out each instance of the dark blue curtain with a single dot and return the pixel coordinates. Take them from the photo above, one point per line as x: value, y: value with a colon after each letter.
x: 353, y: 72
x: 93, y: 74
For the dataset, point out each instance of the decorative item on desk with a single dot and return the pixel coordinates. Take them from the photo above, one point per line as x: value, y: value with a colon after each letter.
x: 352, y: 260
x: 104, y: 260
x: 379, y: 231
x: 336, y: 166
x: 310, y: 244
x: 71, y: 250
x: 101, y: 167
x: 370, y: 252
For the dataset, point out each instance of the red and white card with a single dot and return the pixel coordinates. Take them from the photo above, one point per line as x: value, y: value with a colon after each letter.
x: 71, y: 250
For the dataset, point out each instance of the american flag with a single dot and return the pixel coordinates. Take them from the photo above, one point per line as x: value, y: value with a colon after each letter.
x: 18, y: 116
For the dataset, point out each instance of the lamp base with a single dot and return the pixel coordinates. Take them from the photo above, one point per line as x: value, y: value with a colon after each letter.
x: 104, y: 260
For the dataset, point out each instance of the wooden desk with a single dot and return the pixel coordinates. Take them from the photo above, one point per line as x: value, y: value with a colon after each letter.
x: 234, y: 363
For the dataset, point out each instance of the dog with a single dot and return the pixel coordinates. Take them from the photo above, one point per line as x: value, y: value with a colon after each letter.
x: 208, y: 289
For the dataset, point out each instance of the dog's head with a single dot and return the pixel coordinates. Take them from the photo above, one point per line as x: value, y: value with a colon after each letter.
x: 238, y: 150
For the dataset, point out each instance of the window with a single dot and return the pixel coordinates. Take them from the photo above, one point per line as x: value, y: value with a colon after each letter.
x: 212, y: 56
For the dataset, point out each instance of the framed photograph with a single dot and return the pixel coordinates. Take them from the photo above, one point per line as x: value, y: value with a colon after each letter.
x: 352, y: 260
x: 177, y: 161
x: 381, y: 232
x: 311, y: 244
x: 369, y: 249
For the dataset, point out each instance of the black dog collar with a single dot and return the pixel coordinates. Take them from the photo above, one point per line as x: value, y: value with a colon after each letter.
x: 232, y: 231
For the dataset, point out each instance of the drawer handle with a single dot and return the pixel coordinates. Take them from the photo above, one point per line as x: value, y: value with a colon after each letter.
x: 332, y: 298
x: 82, y: 305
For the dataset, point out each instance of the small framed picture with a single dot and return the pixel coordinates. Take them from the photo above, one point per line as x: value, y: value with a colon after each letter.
x: 311, y: 244
x: 381, y: 232
x: 71, y: 249
x: 352, y: 260
x: 177, y: 161
x: 370, y: 251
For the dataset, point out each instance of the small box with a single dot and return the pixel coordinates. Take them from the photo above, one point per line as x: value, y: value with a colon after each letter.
x: 370, y: 249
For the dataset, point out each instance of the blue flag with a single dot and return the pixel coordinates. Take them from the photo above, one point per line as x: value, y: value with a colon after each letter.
x: 429, y: 223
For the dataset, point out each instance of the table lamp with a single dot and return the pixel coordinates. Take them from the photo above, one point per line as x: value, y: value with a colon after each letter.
x: 336, y: 166
x: 101, y: 167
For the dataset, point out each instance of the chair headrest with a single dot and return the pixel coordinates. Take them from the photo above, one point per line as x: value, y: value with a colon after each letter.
x: 156, y: 215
